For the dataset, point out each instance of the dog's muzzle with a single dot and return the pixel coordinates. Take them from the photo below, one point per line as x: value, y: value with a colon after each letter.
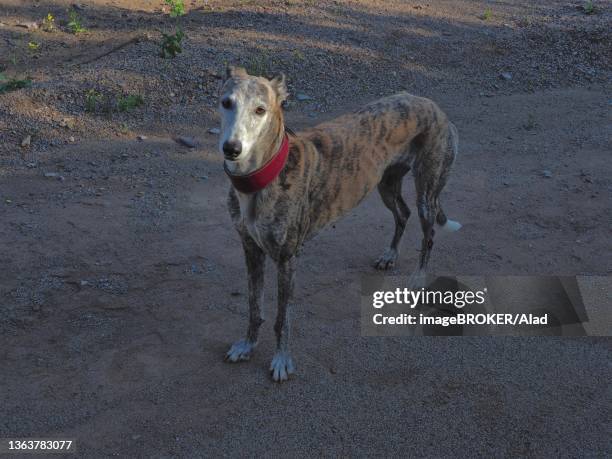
x: 232, y: 149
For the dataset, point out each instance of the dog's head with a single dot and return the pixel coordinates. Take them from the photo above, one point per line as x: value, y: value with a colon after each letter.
x: 251, y: 112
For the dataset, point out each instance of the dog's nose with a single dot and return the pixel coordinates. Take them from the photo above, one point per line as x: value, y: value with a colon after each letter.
x: 232, y: 148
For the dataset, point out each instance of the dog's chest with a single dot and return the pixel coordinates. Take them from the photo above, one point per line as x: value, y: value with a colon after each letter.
x: 258, y: 221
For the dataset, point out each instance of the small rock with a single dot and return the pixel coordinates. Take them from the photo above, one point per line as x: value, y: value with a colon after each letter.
x: 26, y: 141
x: 215, y: 131
x: 189, y: 142
x: 31, y: 165
x: 84, y: 283
x: 141, y: 137
x: 55, y: 175
x: 302, y: 97
x: 135, y: 437
x: 71, y: 139
x: 67, y: 123
x: 505, y: 76
x: 546, y: 173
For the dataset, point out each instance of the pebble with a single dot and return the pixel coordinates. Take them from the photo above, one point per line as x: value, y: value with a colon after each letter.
x: 67, y: 123
x: 505, y: 76
x: 215, y: 131
x: 141, y: 137
x: 187, y: 141
x: 546, y: 173
x: 71, y: 139
x: 55, y: 175
x: 302, y: 97
x: 26, y: 141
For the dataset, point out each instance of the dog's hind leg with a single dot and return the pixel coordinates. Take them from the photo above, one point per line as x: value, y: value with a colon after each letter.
x: 390, y: 189
x: 427, y: 209
x: 255, y: 260
x: 282, y: 364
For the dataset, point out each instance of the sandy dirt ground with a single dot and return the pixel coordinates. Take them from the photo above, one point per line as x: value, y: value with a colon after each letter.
x: 122, y: 281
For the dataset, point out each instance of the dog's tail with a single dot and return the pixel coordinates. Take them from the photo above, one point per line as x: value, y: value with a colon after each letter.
x: 441, y: 219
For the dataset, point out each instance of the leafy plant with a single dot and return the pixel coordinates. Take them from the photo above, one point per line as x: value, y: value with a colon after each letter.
x: 92, y: 100
x: 588, y: 7
x: 177, y: 7
x: 129, y: 102
x: 75, y: 25
x: 48, y: 23
x: 33, y: 46
x: 12, y: 84
x: 171, y: 44
x: 488, y: 14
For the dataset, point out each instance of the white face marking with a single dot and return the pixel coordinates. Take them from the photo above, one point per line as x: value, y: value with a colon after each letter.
x: 240, y: 122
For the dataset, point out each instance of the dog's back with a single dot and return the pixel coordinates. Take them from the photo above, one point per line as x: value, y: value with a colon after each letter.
x: 354, y: 151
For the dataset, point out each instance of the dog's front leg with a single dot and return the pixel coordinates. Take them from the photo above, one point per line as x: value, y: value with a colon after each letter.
x: 282, y: 364
x: 255, y: 261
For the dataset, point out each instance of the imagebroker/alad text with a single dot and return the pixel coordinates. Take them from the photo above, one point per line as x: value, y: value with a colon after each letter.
x: 461, y: 319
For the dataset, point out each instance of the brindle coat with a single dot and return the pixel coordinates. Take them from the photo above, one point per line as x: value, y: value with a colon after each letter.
x: 330, y: 169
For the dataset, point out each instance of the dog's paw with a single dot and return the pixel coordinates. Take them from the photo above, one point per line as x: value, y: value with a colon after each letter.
x: 240, y: 350
x: 386, y: 260
x: 281, y: 367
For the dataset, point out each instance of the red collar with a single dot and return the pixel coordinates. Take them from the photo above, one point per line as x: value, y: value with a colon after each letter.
x: 261, y: 178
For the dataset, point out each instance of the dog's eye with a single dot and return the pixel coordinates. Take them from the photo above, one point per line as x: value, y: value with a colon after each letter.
x: 226, y: 103
x: 260, y: 110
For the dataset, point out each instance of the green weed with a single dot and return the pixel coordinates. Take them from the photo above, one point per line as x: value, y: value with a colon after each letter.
x: 177, y: 7
x: 129, y: 102
x: 171, y: 44
x: 588, y: 7
x: 48, y: 23
x: 12, y: 84
x: 92, y: 100
x: 75, y: 25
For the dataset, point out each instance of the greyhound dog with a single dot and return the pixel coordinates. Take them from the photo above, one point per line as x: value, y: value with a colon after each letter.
x: 287, y: 186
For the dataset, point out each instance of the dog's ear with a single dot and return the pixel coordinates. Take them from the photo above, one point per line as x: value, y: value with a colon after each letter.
x: 235, y: 72
x: 280, y: 88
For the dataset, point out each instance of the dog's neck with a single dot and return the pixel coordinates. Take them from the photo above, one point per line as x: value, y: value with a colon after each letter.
x: 263, y: 150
